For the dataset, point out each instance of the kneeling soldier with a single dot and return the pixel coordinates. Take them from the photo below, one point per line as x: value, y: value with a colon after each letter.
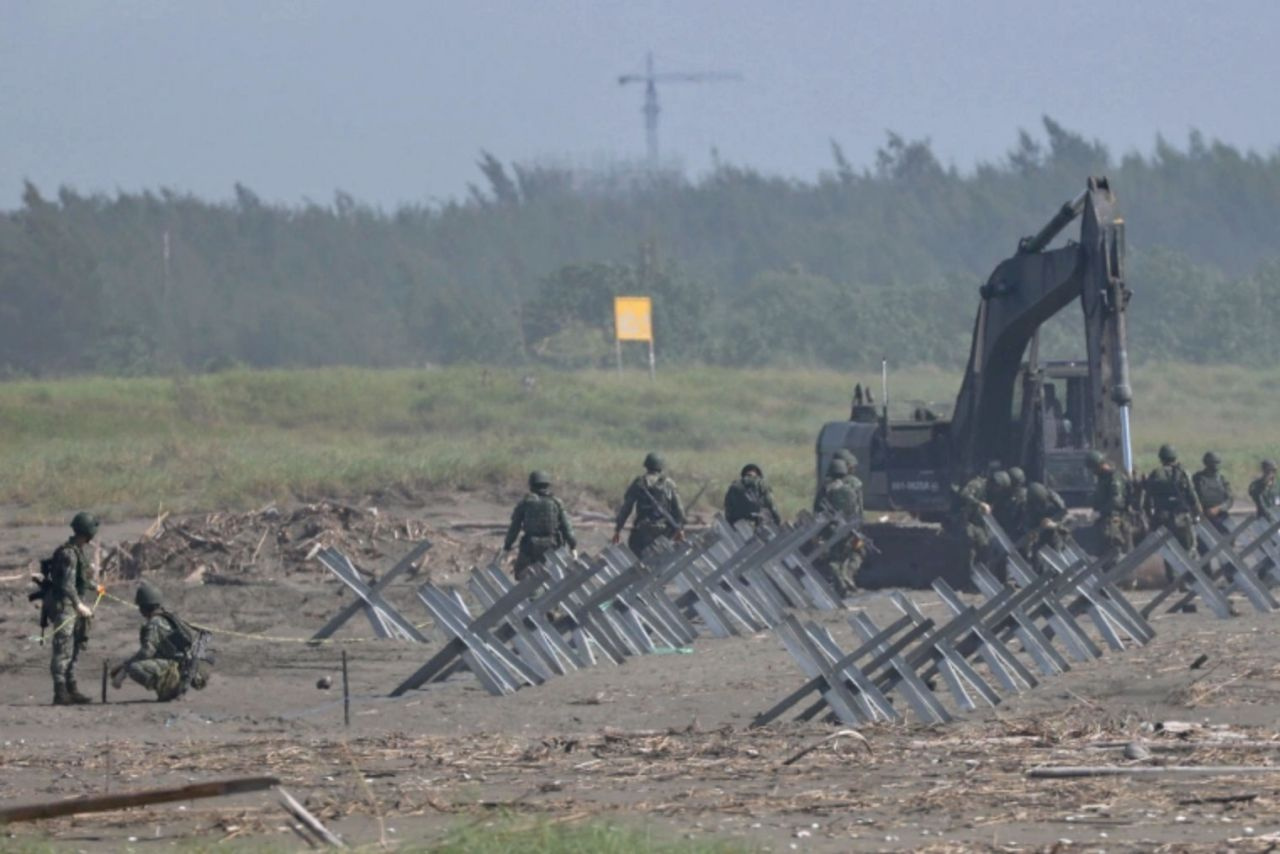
x: 167, y: 660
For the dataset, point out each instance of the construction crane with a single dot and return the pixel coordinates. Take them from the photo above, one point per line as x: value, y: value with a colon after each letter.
x: 651, y: 79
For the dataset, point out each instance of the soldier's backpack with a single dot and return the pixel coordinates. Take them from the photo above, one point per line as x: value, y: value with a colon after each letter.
x: 44, y: 591
x: 192, y: 646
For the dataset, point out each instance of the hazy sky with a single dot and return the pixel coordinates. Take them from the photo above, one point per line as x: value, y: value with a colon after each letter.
x: 393, y: 100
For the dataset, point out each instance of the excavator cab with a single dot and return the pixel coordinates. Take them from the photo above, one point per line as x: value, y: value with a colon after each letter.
x: 1056, y: 421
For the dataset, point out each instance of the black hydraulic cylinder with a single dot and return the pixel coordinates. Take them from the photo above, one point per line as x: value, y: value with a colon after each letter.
x: 1061, y: 220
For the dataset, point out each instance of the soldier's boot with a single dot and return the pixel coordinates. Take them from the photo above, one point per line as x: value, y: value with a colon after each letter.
x: 60, y: 695
x: 74, y: 694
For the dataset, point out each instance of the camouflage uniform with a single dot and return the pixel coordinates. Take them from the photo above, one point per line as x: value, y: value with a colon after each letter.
x: 968, y: 513
x: 70, y: 577
x: 162, y: 647
x: 1214, y: 491
x: 1010, y: 510
x: 1045, y: 511
x: 1170, y: 500
x: 546, y: 528
x: 1264, y: 494
x: 1111, y: 500
x: 841, y: 497
x: 750, y: 498
x: 646, y: 495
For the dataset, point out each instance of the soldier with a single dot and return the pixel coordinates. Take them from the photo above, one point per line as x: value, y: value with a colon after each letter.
x: 978, y: 498
x: 1263, y: 491
x: 545, y: 524
x: 165, y: 661
x: 841, y: 498
x: 656, y: 502
x: 66, y: 584
x: 1010, y: 509
x: 750, y: 498
x: 1170, y: 500
x: 1111, y: 498
x: 1045, y: 513
x: 1214, y: 491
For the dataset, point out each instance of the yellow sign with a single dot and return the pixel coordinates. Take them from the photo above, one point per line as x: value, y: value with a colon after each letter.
x: 633, y: 318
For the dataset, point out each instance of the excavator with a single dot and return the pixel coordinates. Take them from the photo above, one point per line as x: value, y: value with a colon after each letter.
x: 1012, y: 408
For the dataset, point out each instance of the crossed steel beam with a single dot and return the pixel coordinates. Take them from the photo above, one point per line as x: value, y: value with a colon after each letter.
x: 1026, y: 629
x: 386, y: 621
x: 569, y: 613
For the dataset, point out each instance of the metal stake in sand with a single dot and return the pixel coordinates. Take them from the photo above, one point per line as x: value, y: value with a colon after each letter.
x: 105, y: 668
x: 346, y: 692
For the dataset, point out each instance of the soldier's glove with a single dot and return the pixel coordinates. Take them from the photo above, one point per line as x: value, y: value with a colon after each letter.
x: 679, y: 537
x: 1048, y: 523
x: 84, y: 610
x: 985, y: 507
x: 573, y: 553
x: 616, y: 538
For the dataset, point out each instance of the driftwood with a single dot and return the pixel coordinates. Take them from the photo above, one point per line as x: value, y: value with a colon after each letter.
x: 309, y: 821
x: 1061, y: 772
x: 852, y: 733
x: 106, y: 803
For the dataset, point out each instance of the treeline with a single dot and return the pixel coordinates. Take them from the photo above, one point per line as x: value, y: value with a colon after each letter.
x: 744, y: 268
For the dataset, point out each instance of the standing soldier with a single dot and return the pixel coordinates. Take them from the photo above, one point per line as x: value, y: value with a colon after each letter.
x: 1111, y: 498
x: 1045, y: 513
x: 545, y: 524
x: 1214, y: 491
x: 750, y: 498
x: 65, y: 587
x: 841, y: 498
x: 1170, y: 500
x: 1263, y: 491
x: 166, y: 661
x: 656, y: 502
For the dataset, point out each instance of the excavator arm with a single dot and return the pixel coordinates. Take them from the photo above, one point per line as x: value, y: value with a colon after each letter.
x: 1022, y: 293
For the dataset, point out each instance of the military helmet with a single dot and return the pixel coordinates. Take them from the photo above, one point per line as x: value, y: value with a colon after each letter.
x: 1018, y: 476
x: 147, y: 596
x: 1167, y: 454
x: 1269, y: 465
x: 539, y: 478
x: 837, y: 468
x: 850, y: 459
x: 1212, y: 459
x: 653, y: 461
x: 751, y: 467
x: 1038, y: 491
x: 1002, y: 480
x: 1094, y: 460
x: 84, y: 524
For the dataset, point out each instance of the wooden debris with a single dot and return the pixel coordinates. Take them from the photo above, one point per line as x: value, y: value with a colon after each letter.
x: 308, y: 821
x: 852, y: 733
x: 1062, y: 772
x: 106, y: 803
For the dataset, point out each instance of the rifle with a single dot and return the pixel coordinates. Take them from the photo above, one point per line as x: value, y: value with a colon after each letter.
x: 862, y: 539
x: 660, y: 507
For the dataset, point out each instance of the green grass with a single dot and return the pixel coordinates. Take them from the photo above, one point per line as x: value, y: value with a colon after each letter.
x: 237, y: 439
x: 502, y: 837
x: 547, y: 838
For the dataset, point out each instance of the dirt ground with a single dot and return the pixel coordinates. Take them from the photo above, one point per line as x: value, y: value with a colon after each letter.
x: 661, y: 742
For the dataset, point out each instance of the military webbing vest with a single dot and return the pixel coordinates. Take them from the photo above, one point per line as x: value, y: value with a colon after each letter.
x: 1212, y: 489
x: 656, y: 489
x: 541, y: 516
x: 1166, y: 492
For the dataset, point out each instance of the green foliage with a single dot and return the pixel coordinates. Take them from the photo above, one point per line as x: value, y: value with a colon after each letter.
x: 239, y: 438
x: 552, y: 838
x: 743, y: 268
